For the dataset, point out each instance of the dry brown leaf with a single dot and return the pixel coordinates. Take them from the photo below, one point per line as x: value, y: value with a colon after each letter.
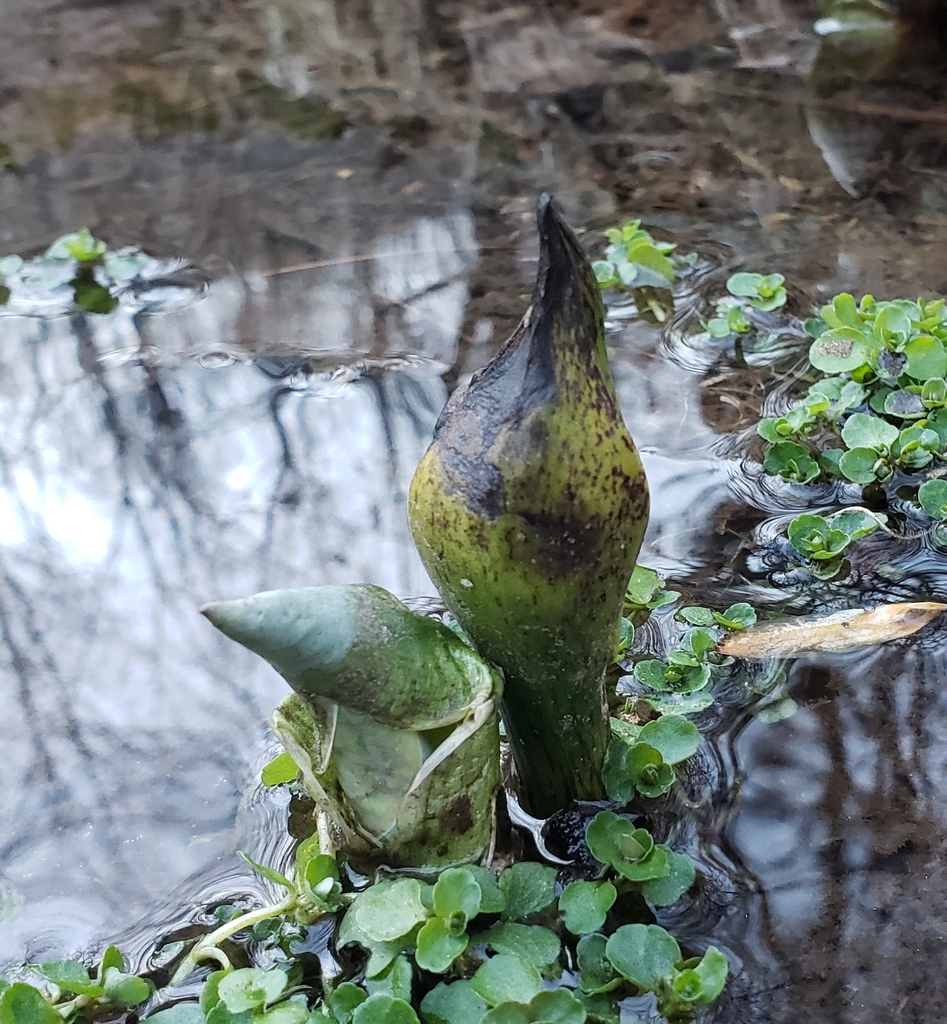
x: 841, y: 631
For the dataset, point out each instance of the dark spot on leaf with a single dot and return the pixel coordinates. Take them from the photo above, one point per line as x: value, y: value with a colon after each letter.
x: 457, y: 817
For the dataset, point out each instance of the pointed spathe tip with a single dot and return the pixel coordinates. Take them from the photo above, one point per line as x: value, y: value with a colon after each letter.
x: 559, y: 251
x: 211, y: 610
x: 548, y: 219
x: 226, y: 615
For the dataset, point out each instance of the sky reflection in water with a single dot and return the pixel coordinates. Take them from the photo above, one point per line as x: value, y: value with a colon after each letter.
x: 264, y: 435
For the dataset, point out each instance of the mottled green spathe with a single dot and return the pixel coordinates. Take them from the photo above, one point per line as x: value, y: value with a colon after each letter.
x: 528, y: 510
x: 394, y: 723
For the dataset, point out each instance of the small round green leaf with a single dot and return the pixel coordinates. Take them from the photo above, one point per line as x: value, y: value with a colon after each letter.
x: 673, y: 736
x: 596, y: 973
x: 932, y: 494
x: 528, y: 888
x: 344, y: 1000
x: 839, y: 350
x: 507, y: 1013
x: 71, y: 976
x: 662, y: 892
x: 647, y: 770
x: 250, y: 987
x: 506, y: 979
x: 718, y: 327
x: 397, y: 979
x: 859, y: 465
x: 384, y: 1009
x: 112, y: 957
x: 712, y: 970
x: 643, y: 954
x: 126, y: 989
x: 695, y: 678
x: 926, y: 358
x: 389, y: 910
x: 737, y: 616
x: 456, y: 890
x: 530, y: 942
x: 585, y: 905
x: 23, y: 1004
x: 605, y: 273
x: 438, y: 947
x: 855, y: 523
x: 651, y: 673
x: 603, y: 833
x: 862, y: 430
x: 556, y: 1006
x: 492, y: 900
x: 457, y: 1003
x: 842, y: 312
x: 280, y: 770
x: 642, y: 586
x: 630, y: 851
x: 699, y: 641
x: 814, y: 537
x: 744, y: 285
x: 696, y: 616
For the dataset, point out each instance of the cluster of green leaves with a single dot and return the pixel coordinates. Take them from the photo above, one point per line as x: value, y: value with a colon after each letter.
x: 641, y: 758
x: 821, y: 541
x: 315, y: 889
x: 883, y: 395
x: 643, y: 955
x: 633, y: 259
x: 645, y: 594
x: 478, y: 946
x: 77, y: 264
x: 679, y: 683
x: 763, y: 292
x: 70, y: 993
x: 496, y: 940
x: 248, y: 995
x: 653, y: 869
x: 648, y: 958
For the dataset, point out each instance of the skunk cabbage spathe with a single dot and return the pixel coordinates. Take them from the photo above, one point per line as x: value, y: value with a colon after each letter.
x: 528, y: 510
x: 394, y: 721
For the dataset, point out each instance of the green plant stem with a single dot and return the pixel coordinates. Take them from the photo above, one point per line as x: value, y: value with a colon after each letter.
x: 76, y: 1003
x: 206, y: 948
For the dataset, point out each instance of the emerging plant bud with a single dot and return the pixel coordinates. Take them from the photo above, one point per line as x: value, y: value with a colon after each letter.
x: 528, y: 510
x: 394, y: 723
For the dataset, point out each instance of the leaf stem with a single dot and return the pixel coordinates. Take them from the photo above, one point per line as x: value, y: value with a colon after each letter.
x: 76, y: 1003
x: 206, y: 948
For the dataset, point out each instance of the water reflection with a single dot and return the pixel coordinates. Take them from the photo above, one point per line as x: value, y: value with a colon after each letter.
x: 132, y: 492
x: 355, y: 183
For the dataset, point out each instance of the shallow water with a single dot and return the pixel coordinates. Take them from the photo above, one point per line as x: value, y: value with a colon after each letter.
x: 256, y: 424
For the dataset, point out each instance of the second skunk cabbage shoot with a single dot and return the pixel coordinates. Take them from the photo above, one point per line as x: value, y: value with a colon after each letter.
x: 393, y: 723
x: 528, y: 510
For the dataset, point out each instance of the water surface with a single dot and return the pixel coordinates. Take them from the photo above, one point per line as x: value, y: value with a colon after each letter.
x: 353, y: 186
